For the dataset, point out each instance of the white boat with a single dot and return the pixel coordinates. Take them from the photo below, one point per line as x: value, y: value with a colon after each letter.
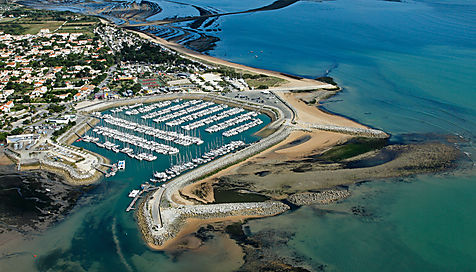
x: 134, y: 193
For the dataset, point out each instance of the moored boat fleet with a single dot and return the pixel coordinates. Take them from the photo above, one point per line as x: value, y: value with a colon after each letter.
x: 242, y: 128
x: 147, y: 131
x: 175, y: 107
x: 135, y: 137
x: 150, y: 107
x: 232, y: 122
x: 116, y: 148
x: 177, y: 169
x: 183, y: 111
x: 123, y: 108
x: 213, y: 118
x: 173, y: 136
x: 135, y: 140
x: 196, y: 115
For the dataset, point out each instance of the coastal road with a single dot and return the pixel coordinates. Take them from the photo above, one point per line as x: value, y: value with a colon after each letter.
x: 156, y: 216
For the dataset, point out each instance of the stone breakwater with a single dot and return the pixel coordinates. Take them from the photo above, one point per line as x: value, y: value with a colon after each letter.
x: 159, y: 228
x: 74, y: 173
x: 192, y: 176
x: 173, y: 219
x: 365, y: 132
x: 324, y: 197
x: 161, y: 218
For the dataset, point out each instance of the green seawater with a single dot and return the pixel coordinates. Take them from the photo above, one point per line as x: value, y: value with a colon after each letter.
x: 408, y: 225
x: 100, y: 236
x: 405, y: 67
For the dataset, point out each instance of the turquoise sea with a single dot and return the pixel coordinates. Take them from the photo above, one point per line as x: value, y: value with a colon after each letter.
x: 406, y: 67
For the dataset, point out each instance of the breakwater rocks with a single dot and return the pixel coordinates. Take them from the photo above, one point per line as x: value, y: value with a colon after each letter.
x: 364, y: 132
x: 221, y: 163
x: 324, y: 197
x: 173, y: 219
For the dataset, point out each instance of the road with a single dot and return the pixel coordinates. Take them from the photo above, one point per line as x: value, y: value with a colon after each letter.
x: 111, y: 70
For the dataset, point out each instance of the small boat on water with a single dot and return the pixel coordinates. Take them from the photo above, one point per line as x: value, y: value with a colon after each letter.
x: 121, y: 165
x: 134, y: 193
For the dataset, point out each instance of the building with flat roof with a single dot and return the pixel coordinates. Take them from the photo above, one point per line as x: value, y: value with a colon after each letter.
x: 22, y: 138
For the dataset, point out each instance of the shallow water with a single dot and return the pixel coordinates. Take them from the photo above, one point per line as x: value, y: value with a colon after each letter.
x: 101, y: 236
x: 405, y: 68
x: 421, y: 225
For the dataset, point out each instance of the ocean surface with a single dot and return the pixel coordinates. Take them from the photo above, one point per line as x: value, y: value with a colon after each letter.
x: 407, y: 68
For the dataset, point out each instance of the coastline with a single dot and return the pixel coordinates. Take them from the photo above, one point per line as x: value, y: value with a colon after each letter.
x: 329, y: 131
x: 322, y: 139
x: 416, y: 217
x: 292, y: 82
x: 69, y: 175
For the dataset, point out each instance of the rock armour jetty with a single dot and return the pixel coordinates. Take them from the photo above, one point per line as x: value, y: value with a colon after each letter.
x: 324, y: 197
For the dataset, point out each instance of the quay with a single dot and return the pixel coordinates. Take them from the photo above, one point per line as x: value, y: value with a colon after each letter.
x: 134, y: 200
x: 107, y: 165
x: 145, y: 188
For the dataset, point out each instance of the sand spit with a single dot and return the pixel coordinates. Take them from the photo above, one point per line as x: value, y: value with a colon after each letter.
x: 279, y: 4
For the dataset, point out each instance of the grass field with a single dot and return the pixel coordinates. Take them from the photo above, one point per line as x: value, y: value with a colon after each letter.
x: 264, y: 81
x: 34, y: 27
x: 6, y: 20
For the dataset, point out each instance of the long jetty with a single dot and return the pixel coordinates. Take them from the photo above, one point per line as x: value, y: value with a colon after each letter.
x: 133, y: 202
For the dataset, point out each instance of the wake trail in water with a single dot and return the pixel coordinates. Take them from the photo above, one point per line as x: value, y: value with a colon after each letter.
x: 118, y: 247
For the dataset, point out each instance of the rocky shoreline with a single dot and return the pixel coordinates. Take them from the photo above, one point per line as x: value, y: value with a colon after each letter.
x: 324, y: 197
x: 31, y: 201
x: 174, y: 219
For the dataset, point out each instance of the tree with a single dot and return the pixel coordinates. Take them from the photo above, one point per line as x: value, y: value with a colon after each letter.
x: 136, y: 88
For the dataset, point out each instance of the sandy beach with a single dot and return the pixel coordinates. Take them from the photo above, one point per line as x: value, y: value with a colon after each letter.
x: 4, y: 160
x: 298, y: 145
x: 183, y: 240
x: 290, y: 82
x: 312, y: 114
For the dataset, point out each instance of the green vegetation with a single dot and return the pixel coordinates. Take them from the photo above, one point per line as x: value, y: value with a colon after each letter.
x: 151, y: 53
x: 86, y: 28
x: 258, y: 81
x: 19, y: 107
x: 19, y: 88
x: 17, y: 131
x: 352, y: 148
x: 71, y: 60
x: 3, y: 136
x: 12, y: 28
x: 35, y: 27
x: 98, y: 79
x: 64, y: 129
x: 30, y: 21
x: 52, y: 108
x: 264, y: 82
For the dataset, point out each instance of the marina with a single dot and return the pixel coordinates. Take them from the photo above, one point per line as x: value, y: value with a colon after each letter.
x: 173, y: 136
x: 178, y: 169
x: 232, y: 122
